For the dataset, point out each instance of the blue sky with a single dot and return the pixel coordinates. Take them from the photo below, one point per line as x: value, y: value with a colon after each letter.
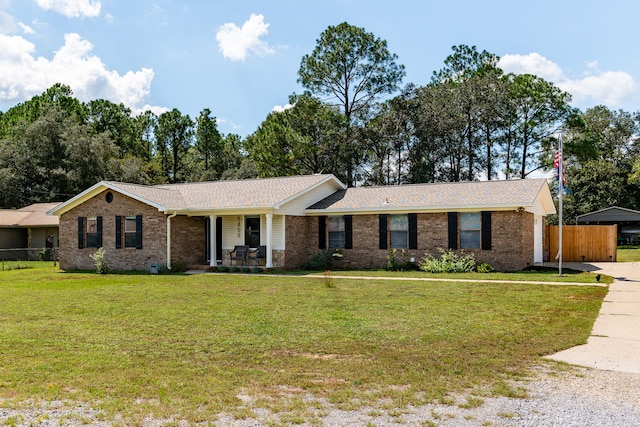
x: 240, y: 58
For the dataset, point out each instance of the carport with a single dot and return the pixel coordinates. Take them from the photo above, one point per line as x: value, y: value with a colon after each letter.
x: 627, y: 220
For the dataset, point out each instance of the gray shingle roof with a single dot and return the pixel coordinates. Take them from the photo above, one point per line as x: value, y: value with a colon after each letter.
x: 477, y: 194
x: 247, y: 193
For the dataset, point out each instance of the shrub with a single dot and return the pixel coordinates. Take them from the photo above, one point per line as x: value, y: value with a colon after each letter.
x: 99, y: 262
x: 178, y: 266
x: 484, y: 268
x: 223, y: 269
x: 323, y: 260
x: 399, y: 261
x: 245, y: 270
x: 448, y: 262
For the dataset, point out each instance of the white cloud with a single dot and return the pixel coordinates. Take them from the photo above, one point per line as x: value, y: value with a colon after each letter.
x: 281, y: 108
x: 235, y: 42
x: 26, y: 29
x: 7, y: 23
x: 23, y: 75
x: 72, y: 8
x: 534, y: 63
x: 615, y: 89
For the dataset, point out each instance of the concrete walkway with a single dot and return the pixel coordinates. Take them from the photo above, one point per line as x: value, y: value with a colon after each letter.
x: 614, y: 343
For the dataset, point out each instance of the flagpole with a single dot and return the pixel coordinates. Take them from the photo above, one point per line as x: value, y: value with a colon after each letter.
x: 560, y: 193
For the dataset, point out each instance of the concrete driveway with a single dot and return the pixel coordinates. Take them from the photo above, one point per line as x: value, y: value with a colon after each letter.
x: 614, y: 343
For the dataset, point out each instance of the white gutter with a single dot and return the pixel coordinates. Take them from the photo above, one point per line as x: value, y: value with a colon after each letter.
x: 169, y: 239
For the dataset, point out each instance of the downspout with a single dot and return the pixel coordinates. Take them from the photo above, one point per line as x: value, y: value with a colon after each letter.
x: 169, y: 239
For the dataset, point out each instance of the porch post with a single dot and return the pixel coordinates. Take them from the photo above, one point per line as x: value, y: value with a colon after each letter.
x: 269, y: 260
x: 212, y: 240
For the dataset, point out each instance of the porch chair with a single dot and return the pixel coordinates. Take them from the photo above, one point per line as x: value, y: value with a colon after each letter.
x: 239, y: 253
x: 258, y: 254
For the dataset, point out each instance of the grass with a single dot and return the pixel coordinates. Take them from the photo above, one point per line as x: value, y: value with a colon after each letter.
x: 194, y: 346
x: 628, y: 254
x: 541, y: 275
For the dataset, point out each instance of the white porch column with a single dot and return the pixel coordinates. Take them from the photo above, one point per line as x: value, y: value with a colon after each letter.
x: 212, y: 240
x: 269, y: 260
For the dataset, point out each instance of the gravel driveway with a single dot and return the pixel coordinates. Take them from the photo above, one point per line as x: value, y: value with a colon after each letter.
x: 573, y: 397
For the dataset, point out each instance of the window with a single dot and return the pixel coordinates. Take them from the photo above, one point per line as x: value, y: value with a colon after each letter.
x: 252, y: 231
x: 336, y: 231
x: 470, y: 225
x: 92, y: 232
x: 130, y: 232
x: 132, y: 229
x: 399, y: 231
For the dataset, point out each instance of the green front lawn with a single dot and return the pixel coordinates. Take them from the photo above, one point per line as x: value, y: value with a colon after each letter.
x: 189, y: 346
x: 628, y: 254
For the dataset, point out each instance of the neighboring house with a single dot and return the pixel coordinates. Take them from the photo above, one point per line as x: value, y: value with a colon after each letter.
x: 26, y: 231
x: 627, y: 220
x: 500, y: 222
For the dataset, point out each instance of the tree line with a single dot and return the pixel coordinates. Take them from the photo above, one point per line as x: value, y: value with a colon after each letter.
x: 354, y: 119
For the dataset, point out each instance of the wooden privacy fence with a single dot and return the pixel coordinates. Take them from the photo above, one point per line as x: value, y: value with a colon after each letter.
x: 583, y: 243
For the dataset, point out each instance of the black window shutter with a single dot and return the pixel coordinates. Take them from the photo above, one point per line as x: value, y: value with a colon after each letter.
x: 413, y: 230
x: 138, y: 231
x: 486, y: 230
x: 322, y: 232
x: 118, y: 232
x: 99, y: 231
x: 80, y: 232
x: 348, y: 231
x: 382, y: 231
x: 453, y: 230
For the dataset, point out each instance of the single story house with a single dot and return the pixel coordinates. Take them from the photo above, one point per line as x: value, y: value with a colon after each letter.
x: 627, y: 220
x: 298, y: 217
x: 25, y: 232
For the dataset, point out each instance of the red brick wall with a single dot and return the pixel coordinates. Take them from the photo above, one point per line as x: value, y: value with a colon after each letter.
x: 300, y: 241
x: 153, y: 234
x: 511, y: 241
x: 188, y: 240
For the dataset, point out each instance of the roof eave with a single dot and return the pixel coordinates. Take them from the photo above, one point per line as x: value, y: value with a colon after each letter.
x: 418, y: 209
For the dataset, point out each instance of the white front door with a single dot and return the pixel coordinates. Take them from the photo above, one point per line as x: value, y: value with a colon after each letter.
x: 538, y: 228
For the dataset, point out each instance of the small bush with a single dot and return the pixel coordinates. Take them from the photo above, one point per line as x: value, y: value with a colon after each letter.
x: 99, y: 262
x: 398, y: 260
x: 323, y: 259
x: 484, y: 268
x: 245, y: 270
x: 448, y: 262
x: 223, y: 269
x: 257, y: 270
x: 235, y: 269
x: 178, y: 266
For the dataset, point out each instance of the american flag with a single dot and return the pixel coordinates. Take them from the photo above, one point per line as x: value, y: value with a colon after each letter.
x: 556, y: 164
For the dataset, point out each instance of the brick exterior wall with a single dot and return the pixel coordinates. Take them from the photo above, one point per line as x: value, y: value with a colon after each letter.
x: 301, y: 241
x: 188, y: 240
x: 511, y: 241
x: 187, y: 236
x: 153, y: 234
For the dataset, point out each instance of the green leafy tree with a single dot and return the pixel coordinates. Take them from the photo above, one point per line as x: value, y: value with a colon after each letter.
x: 173, y: 134
x: 353, y: 69
x: 299, y: 140
x: 535, y: 109
x: 209, y: 144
